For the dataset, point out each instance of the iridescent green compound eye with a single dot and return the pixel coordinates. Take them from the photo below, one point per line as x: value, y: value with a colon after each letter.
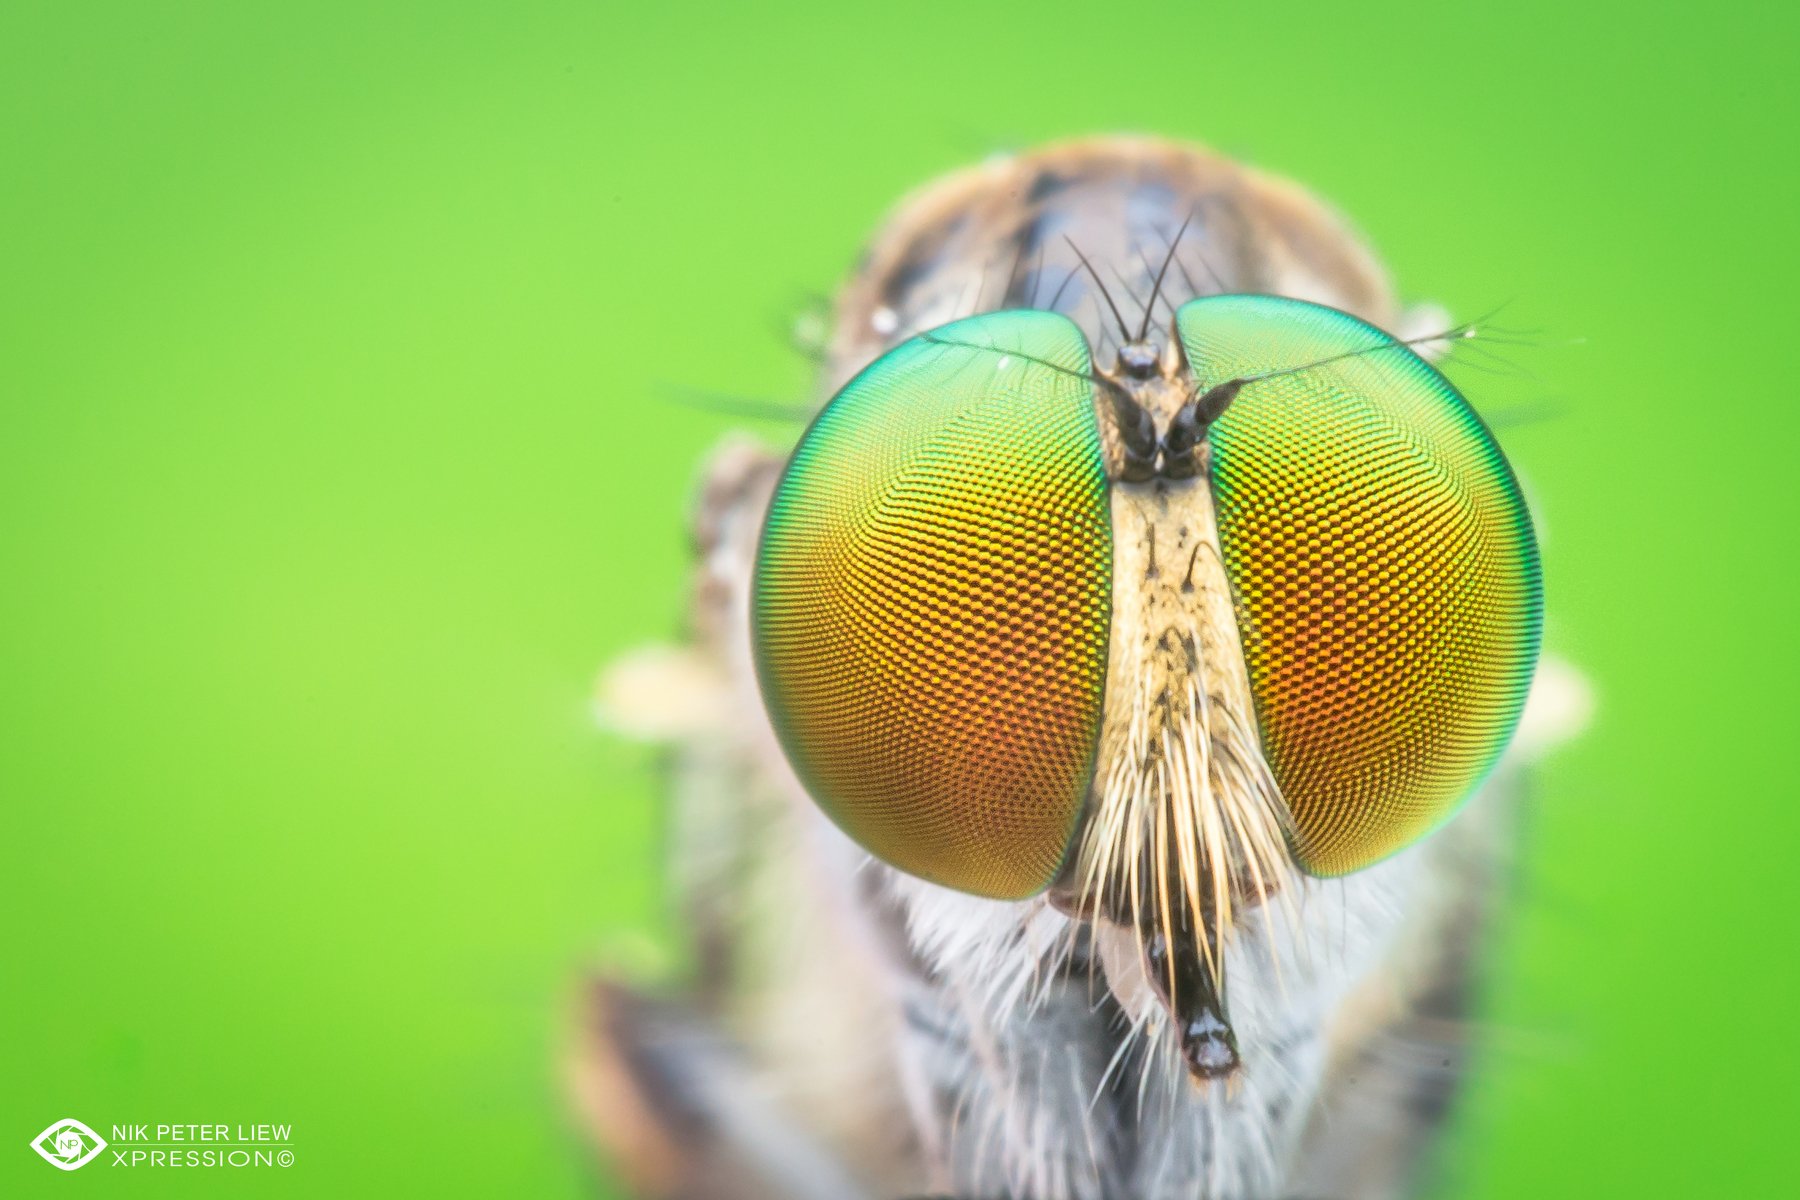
x: 1385, y: 569
x: 932, y: 601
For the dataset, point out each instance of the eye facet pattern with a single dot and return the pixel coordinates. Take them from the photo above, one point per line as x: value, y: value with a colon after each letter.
x: 1385, y: 569
x: 932, y: 600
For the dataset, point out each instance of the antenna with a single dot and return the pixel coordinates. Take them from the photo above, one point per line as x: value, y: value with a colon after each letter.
x: 1156, y: 288
x: 1124, y: 329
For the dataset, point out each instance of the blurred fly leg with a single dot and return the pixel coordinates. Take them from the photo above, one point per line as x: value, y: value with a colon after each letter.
x: 679, y: 1113
x: 679, y: 1106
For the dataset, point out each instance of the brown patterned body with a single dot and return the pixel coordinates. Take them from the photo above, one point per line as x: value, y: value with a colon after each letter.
x: 1004, y: 234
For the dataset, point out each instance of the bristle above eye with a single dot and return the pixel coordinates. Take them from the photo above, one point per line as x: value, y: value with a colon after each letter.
x: 1385, y: 569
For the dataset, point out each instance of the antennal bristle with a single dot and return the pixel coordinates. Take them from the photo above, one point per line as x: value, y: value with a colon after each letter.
x: 1156, y: 288
x: 1124, y: 330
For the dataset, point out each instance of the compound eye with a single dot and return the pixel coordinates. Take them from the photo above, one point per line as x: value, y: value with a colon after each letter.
x: 932, y: 601
x: 1385, y: 569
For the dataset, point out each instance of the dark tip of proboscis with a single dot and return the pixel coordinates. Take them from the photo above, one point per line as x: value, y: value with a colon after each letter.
x: 1209, y: 1047
x: 1185, y: 979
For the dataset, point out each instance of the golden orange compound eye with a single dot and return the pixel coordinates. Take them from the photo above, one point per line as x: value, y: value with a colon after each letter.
x: 1385, y: 570
x: 932, y: 601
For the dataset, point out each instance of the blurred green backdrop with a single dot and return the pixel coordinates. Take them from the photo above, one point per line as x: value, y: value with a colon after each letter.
x: 332, y: 470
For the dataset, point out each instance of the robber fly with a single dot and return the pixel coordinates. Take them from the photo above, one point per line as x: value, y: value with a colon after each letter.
x: 1063, y: 760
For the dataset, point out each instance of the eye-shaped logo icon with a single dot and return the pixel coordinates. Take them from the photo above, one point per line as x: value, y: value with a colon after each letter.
x: 68, y: 1144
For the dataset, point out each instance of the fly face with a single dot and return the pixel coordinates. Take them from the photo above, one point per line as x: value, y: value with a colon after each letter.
x: 1111, y: 640
x: 1151, y: 638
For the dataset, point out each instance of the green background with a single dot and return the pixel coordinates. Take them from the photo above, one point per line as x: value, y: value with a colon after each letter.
x: 332, y: 469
